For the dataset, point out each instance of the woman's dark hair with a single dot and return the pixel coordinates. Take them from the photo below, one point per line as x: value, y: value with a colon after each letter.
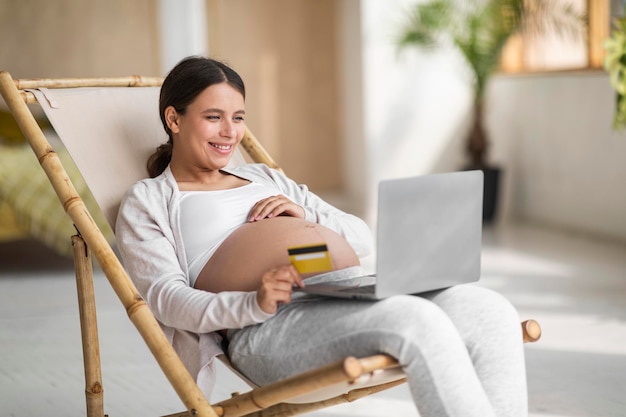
x: 183, y: 84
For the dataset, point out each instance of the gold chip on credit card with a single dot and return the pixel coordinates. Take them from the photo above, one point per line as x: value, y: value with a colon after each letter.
x: 310, y: 258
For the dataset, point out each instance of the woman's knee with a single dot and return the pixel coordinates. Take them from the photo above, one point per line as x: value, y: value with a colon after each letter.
x: 414, y: 317
x: 472, y: 300
x: 480, y: 313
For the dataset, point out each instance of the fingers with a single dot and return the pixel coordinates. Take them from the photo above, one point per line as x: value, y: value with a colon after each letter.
x: 275, y: 206
x: 277, y: 286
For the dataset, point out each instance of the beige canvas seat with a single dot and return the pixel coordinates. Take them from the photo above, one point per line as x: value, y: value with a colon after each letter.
x: 109, y: 127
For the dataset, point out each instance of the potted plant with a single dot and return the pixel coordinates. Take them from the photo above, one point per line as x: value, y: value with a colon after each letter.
x: 615, y: 64
x: 479, y: 30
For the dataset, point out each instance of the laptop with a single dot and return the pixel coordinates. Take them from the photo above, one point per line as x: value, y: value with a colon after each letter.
x: 429, y: 237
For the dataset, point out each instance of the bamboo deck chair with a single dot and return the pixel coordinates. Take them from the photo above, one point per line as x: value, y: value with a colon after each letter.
x: 110, y: 152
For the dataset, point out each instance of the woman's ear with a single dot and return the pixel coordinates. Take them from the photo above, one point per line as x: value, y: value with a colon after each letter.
x: 171, y: 118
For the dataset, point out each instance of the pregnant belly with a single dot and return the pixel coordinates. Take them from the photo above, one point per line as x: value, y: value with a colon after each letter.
x: 255, y: 248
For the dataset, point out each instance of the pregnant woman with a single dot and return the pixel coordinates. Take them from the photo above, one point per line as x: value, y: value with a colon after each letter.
x: 206, y: 246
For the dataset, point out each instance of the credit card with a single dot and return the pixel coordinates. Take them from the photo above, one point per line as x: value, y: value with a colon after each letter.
x: 310, y: 259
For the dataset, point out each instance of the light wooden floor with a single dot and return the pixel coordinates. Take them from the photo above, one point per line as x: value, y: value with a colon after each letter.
x: 576, y: 288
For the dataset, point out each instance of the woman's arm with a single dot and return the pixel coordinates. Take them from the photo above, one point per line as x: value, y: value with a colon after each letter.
x: 147, y: 244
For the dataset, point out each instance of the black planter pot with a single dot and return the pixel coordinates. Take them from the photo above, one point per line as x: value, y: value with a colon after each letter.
x: 491, y: 191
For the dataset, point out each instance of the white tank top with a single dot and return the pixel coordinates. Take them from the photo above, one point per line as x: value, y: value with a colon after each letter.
x: 207, y: 218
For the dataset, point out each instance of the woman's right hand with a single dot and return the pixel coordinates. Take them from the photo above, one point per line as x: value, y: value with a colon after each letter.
x: 277, y: 286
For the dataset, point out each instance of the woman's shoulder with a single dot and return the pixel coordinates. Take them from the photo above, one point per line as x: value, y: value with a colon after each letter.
x: 150, y: 188
x: 146, y: 197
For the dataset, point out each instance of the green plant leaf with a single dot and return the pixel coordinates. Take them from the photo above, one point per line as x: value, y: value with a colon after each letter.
x: 481, y: 28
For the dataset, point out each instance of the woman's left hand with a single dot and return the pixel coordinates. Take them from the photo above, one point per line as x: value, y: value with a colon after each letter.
x: 275, y: 206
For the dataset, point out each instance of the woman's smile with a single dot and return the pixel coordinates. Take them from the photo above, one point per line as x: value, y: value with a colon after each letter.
x: 221, y: 148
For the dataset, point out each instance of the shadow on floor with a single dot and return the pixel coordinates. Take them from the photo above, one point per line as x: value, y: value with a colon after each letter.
x: 29, y: 255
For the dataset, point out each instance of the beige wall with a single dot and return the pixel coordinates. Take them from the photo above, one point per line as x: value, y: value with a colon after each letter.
x: 286, y: 52
x: 78, y: 38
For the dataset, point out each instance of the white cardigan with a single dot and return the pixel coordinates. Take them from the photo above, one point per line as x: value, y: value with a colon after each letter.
x: 150, y: 242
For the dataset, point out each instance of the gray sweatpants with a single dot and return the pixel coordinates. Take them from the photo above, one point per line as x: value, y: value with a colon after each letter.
x: 461, y: 348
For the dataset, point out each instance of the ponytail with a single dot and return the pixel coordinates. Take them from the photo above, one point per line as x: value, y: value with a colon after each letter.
x: 160, y: 159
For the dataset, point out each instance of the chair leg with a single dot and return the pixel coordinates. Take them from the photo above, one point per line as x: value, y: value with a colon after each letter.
x: 88, y: 327
x: 289, y: 410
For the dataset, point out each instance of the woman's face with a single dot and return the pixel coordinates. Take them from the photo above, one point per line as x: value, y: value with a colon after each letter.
x: 206, y: 136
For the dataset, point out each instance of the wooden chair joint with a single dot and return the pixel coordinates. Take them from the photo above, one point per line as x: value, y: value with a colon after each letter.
x: 79, y: 238
x: 48, y: 153
x: 70, y: 202
x: 257, y: 403
x: 138, y: 304
x: 531, y: 331
x: 94, y: 389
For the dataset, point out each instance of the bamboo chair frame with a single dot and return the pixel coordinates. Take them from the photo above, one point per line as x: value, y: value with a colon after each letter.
x: 268, y: 400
